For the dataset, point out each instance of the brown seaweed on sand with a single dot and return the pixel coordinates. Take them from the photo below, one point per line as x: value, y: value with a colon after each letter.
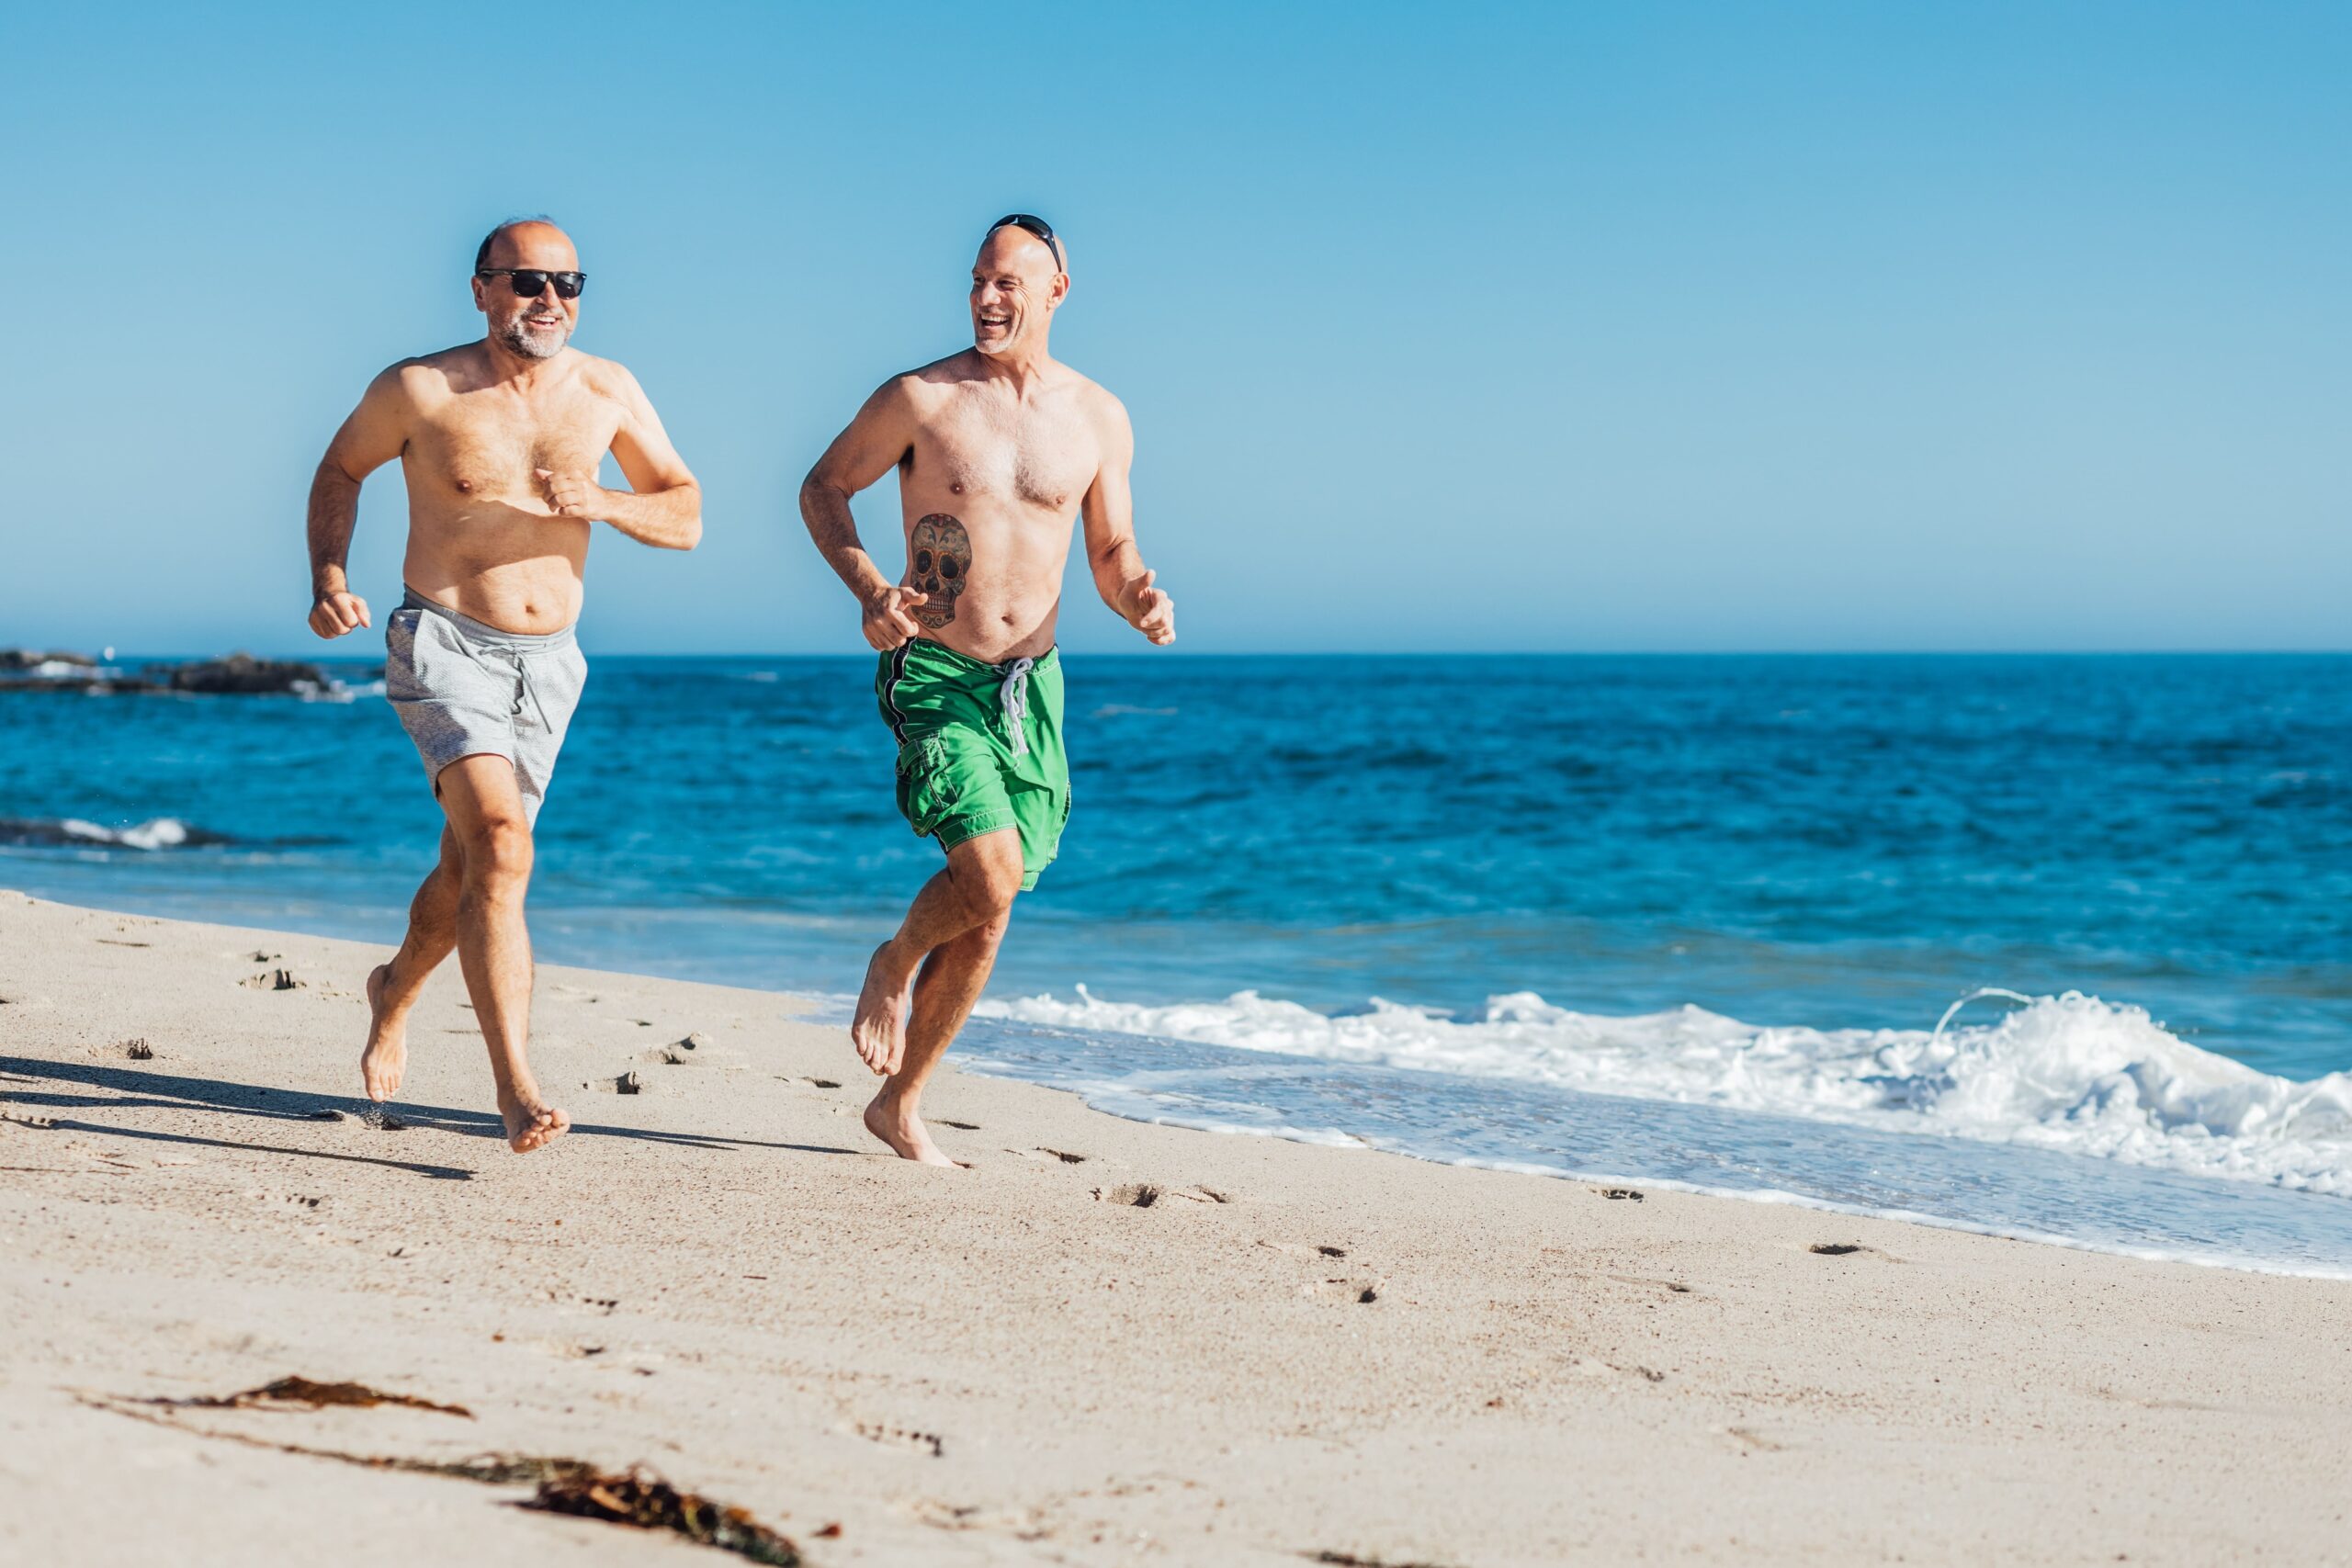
x: 312, y: 1395
x: 637, y: 1497
x: 632, y: 1496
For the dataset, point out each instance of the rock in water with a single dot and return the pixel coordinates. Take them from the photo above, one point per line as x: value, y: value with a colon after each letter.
x: 34, y: 658
x: 241, y: 674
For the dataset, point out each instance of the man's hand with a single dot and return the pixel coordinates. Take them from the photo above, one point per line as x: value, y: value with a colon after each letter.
x: 338, y: 611
x: 887, y: 625
x: 575, y: 495
x: 1152, y: 612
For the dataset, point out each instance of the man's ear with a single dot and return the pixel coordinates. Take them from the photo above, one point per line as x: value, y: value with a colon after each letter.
x: 482, y: 295
x: 1061, y: 288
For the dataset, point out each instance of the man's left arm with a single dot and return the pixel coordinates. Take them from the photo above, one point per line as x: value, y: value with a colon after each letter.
x: 663, y: 506
x: 1110, y: 512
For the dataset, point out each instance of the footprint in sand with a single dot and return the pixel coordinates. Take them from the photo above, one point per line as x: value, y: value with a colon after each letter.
x: 1040, y: 1157
x: 295, y: 1201
x: 1144, y: 1194
x: 930, y: 1444
x: 1132, y: 1195
x: 1362, y: 1288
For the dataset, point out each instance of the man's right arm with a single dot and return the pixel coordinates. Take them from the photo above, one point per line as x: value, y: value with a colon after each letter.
x: 371, y: 437
x: 872, y: 446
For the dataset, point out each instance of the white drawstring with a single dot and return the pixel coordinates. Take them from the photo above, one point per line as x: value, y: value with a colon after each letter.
x: 1015, y: 695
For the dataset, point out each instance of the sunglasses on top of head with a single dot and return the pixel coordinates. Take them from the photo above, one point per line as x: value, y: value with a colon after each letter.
x: 1030, y: 223
x: 528, y: 282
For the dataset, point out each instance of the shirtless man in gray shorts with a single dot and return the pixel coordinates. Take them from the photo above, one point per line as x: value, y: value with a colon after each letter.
x: 499, y: 441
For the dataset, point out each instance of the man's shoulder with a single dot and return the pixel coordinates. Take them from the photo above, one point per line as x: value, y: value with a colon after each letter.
x: 605, y: 378
x: 959, y: 369
x: 1100, y: 406
x: 425, y: 379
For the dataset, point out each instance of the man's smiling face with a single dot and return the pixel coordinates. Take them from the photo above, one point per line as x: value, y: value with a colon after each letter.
x: 536, y: 327
x: 1016, y: 283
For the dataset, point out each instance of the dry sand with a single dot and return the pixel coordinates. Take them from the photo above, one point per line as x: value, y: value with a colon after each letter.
x: 1290, y: 1351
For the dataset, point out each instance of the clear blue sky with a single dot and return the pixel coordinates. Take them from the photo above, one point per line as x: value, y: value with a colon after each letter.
x: 1612, y: 326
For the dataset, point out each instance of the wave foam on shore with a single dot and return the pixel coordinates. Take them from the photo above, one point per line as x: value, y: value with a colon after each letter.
x: 2069, y: 1073
x: 71, y: 832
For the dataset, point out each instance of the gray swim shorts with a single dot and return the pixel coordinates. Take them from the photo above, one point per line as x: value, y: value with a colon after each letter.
x: 465, y: 689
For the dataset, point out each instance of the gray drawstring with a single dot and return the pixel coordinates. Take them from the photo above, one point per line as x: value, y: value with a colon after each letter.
x: 524, y: 685
x: 513, y: 651
x: 1015, y: 695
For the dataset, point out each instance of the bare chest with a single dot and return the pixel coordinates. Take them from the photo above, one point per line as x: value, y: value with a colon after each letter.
x: 982, y: 451
x: 483, y: 445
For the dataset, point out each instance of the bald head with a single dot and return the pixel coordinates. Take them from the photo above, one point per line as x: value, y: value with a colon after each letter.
x: 529, y: 242
x: 1010, y: 245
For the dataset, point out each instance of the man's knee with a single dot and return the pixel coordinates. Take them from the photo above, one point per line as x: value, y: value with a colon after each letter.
x: 988, y: 877
x: 497, y: 851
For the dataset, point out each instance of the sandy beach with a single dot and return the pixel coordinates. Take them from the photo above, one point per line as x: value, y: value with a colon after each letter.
x: 1103, y: 1342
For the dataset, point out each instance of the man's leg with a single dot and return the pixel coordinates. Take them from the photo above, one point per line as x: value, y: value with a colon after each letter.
x: 394, y: 987
x: 982, y: 877
x: 485, y: 810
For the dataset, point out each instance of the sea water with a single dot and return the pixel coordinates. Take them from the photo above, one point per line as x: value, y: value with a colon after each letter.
x: 2056, y: 947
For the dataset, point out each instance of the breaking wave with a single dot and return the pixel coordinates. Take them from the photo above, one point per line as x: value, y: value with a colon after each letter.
x: 72, y: 832
x: 2070, y: 1073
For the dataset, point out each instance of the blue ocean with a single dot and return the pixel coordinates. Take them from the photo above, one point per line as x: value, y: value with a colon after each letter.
x: 2049, y: 947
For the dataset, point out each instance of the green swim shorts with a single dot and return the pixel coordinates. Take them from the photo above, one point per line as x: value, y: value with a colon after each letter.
x: 979, y: 747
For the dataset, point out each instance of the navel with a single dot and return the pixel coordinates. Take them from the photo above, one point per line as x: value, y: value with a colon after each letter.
x: 957, y: 486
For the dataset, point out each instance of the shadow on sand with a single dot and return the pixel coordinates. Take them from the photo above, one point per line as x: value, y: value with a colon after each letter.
x: 136, y: 1088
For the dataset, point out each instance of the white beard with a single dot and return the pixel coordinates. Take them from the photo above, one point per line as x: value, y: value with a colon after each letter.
x: 536, y: 343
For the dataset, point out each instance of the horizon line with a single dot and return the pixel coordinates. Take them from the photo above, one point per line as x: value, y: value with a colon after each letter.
x: 331, y: 656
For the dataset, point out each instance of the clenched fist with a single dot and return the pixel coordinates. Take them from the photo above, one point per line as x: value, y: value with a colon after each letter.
x: 887, y: 625
x: 574, y: 495
x: 338, y: 612
x: 1153, y: 613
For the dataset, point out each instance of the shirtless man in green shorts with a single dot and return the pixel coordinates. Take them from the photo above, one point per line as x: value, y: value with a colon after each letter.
x: 994, y: 447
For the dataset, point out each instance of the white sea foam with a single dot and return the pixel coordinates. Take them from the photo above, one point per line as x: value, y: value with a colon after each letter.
x: 2069, y: 1073
x: 157, y: 833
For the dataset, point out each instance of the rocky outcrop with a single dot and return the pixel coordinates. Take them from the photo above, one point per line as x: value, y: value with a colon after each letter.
x: 13, y: 660
x: 241, y: 674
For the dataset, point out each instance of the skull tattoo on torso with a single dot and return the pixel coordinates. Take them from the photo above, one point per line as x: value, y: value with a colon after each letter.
x: 939, y: 560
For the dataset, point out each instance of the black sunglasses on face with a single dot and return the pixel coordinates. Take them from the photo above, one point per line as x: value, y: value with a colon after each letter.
x: 1029, y: 224
x: 529, y: 282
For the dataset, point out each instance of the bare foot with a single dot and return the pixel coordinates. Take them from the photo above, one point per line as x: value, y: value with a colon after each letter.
x: 385, y: 1061
x: 879, y: 1030
x: 904, y: 1131
x: 530, y: 1121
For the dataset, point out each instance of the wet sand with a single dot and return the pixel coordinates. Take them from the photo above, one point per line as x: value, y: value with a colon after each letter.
x: 1103, y: 1342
